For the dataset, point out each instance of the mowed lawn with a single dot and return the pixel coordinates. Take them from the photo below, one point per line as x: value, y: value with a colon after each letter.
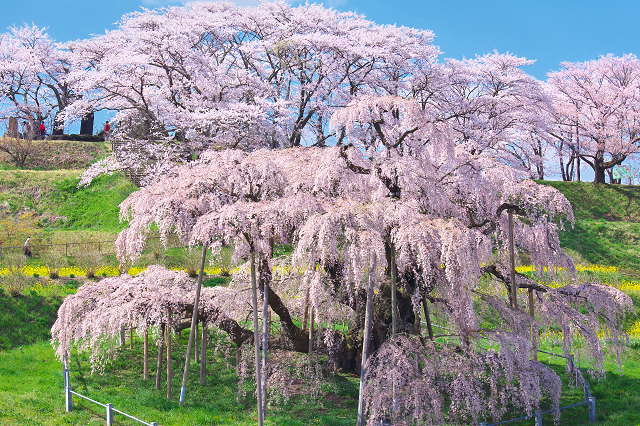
x: 32, y: 393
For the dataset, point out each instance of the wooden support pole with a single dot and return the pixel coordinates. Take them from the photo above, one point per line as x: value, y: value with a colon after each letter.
x: 306, y: 309
x: 514, y: 287
x: 196, y: 356
x: 265, y: 335
x: 427, y: 317
x: 146, y: 355
x: 311, y: 324
x: 169, y: 363
x: 394, y: 302
x: 203, y: 355
x: 130, y: 336
x: 256, y: 337
x: 532, y: 313
x: 160, y: 353
x: 194, y: 320
x: 367, y: 337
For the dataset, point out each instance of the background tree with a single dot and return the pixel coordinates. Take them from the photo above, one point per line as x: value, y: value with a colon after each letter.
x: 596, y: 114
x: 34, y: 72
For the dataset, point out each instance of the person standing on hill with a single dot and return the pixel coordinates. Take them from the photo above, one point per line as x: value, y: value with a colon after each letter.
x: 27, y: 248
x: 43, y: 130
x: 107, y: 131
x: 26, y: 130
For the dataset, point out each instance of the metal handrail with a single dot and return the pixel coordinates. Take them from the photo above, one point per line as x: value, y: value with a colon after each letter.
x: 109, y: 407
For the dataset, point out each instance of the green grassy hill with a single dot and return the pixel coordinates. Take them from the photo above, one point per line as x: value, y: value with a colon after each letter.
x: 55, y: 155
x: 57, y: 202
x: 607, y: 228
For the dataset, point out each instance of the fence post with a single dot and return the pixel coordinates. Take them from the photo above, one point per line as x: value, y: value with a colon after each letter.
x: 592, y: 409
x: 68, y: 403
x: 538, y: 417
x: 587, y: 393
x: 66, y: 249
x: 109, y: 414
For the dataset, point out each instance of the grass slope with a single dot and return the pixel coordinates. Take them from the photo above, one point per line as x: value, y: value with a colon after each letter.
x: 607, y: 228
x: 55, y: 155
x: 26, y: 318
x: 60, y: 205
x: 31, y: 393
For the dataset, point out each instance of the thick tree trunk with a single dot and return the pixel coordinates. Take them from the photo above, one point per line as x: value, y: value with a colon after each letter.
x: 599, y: 172
x: 58, y: 124
x: 298, y: 337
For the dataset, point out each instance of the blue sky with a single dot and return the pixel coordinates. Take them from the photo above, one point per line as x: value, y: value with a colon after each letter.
x: 550, y: 31
x: 546, y: 30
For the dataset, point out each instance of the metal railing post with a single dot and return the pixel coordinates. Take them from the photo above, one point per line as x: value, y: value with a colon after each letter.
x: 109, y: 414
x: 154, y: 424
x: 482, y: 424
x: 587, y: 393
x: 592, y: 409
x: 538, y: 417
x: 68, y: 402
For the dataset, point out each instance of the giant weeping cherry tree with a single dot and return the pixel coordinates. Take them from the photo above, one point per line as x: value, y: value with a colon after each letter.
x: 404, y: 203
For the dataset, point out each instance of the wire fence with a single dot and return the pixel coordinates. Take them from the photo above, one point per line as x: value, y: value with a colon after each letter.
x: 109, y: 410
x: 72, y: 248
x: 69, y: 249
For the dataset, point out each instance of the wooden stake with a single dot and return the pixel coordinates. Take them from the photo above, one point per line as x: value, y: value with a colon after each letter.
x: 427, y: 317
x: 256, y: 337
x: 306, y: 310
x: 169, y: 363
x: 160, y: 353
x: 130, y: 336
x: 367, y: 337
x: 532, y: 313
x: 311, y: 324
x: 514, y: 287
x: 194, y: 320
x: 265, y: 335
x: 203, y: 355
x: 394, y: 302
x: 196, y: 357
x: 146, y: 355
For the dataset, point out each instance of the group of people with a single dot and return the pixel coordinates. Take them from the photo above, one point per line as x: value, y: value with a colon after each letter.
x: 37, y: 130
x: 34, y: 130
